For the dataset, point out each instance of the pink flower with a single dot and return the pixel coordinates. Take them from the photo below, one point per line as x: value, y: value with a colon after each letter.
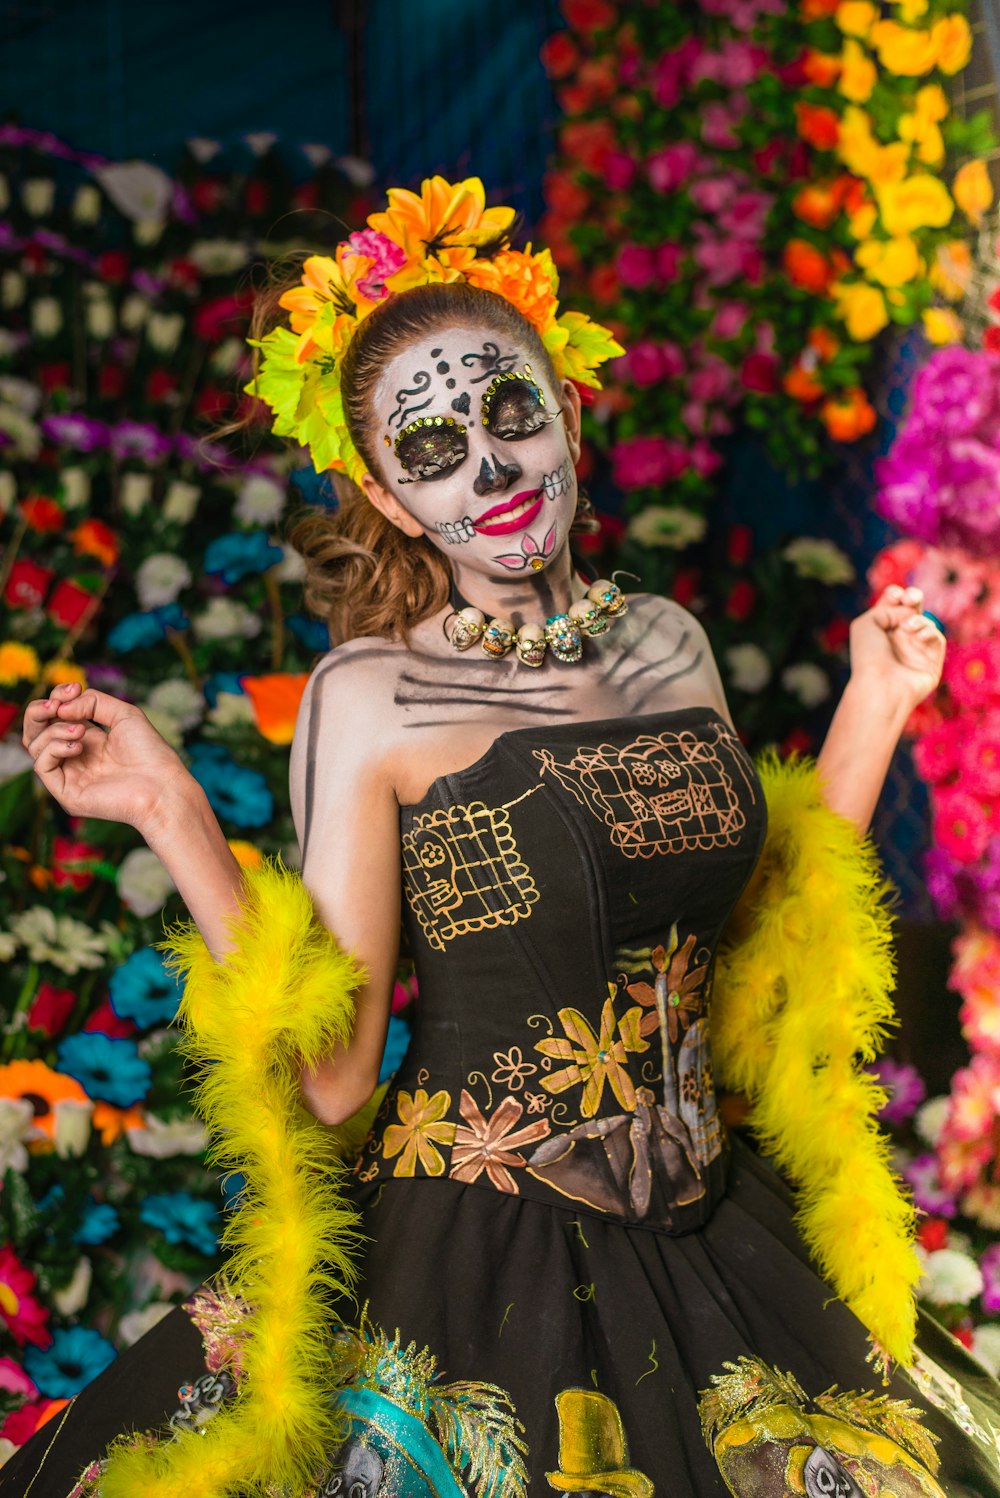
x: 746, y: 216
x: 640, y: 462
x: 980, y: 759
x: 713, y: 381
x: 644, y: 363
x: 990, y: 1267
x: 674, y: 362
x: 736, y: 64
x: 972, y: 673
x: 928, y: 1193
x: 388, y: 258
x: 960, y: 825
x: 895, y: 566
x: 618, y: 170
x: 936, y: 753
x: 704, y: 458
x: 729, y: 320
x: 14, y: 1380
x: 25, y: 1316
x: 711, y: 194
x: 719, y: 120
x: 668, y: 261
x: 905, y: 1088
x: 759, y: 373
x: 636, y: 266
x: 672, y: 71
x: 952, y: 583
x: 670, y: 168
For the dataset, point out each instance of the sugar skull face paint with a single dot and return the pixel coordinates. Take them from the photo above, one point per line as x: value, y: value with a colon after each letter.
x: 497, y: 485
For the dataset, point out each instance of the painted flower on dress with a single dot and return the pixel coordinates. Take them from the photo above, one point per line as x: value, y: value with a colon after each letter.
x: 594, y: 1059
x: 492, y: 1145
x: 422, y: 1127
x: 677, y: 987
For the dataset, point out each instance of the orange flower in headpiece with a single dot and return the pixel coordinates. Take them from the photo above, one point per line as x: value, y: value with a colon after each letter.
x: 328, y: 293
x: 529, y: 282
x: 276, y: 701
x: 440, y: 230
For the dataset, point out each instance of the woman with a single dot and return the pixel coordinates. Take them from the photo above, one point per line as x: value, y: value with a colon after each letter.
x: 564, y: 1269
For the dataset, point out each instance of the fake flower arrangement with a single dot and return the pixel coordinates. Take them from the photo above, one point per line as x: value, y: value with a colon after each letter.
x: 443, y: 234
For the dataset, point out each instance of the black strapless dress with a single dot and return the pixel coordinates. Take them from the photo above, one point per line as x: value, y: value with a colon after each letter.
x: 566, y: 1251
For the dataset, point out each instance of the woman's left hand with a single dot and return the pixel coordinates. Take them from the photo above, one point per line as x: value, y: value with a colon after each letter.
x: 895, y: 648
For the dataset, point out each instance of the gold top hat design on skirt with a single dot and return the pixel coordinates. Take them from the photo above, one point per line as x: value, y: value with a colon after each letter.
x: 593, y: 1452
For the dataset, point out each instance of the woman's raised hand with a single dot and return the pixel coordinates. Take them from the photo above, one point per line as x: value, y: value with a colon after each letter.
x: 100, y: 757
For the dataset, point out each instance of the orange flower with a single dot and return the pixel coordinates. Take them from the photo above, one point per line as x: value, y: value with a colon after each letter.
x: 42, y: 1087
x: 112, y: 1122
x: 92, y: 538
x: 42, y: 514
x: 817, y: 125
x: 587, y: 142
x: 817, y: 204
x: 528, y: 281
x: 807, y: 267
x: 823, y: 341
x: 848, y: 415
x: 275, y: 700
x: 821, y: 69
x: 440, y: 230
x: 817, y: 10
x: 802, y: 385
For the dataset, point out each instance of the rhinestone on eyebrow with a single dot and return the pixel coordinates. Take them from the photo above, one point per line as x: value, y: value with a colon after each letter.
x: 427, y: 421
x: 501, y: 379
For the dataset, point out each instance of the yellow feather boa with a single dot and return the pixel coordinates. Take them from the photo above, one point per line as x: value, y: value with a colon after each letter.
x: 798, y: 1000
x: 283, y: 996
x: 802, y: 999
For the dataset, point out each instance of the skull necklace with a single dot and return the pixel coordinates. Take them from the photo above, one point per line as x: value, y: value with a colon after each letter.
x: 563, y: 634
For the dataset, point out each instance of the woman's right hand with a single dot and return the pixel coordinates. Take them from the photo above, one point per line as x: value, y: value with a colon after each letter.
x: 100, y: 757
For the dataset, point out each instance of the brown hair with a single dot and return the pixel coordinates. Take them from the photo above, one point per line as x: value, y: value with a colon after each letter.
x: 363, y: 575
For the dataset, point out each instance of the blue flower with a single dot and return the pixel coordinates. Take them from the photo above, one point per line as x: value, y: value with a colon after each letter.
x: 98, y: 1223
x: 242, y: 796
x: 182, y: 1218
x: 143, y: 989
x: 109, y: 1069
x: 315, y: 488
x: 222, y: 681
x: 312, y: 633
x: 240, y: 553
x: 77, y: 1355
x: 396, y: 1045
x: 139, y: 631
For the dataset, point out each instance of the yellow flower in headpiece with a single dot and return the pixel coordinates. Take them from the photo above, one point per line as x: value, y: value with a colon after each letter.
x: 329, y: 292
x: 440, y: 230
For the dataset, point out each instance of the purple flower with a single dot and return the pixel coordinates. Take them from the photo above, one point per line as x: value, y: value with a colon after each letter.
x: 942, y: 875
x: 989, y: 1264
x: 138, y: 439
x: 73, y: 429
x: 954, y: 391
x: 905, y: 1088
x: 928, y: 1193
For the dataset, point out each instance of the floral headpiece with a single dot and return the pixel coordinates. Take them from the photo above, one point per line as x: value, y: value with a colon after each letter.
x: 445, y: 234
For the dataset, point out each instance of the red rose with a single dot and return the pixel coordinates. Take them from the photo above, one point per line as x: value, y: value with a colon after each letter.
x: 110, y: 381
x: 603, y: 284
x: 8, y: 712
x: 589, y: 15
x: 835, y: 635
x: 104, y: 1021
x: 27, y: 585
x: 207, y: 193
x: 932, y: 1234
x: 42, y: 514
x: 257, y: 197
x: 68, y: 603
x: 213, y: 320
x: 212, y: 402
x: 161, y: 383
x: 797, y: 742
x: 759, y: 373
x: 54, y: 377
x: 112, y: 265
x: 559, y: 55
x: 739, y: 546
x: 991, y: 339
x: 739, y: 604
x: 686, y: 585
x: 50, y: 1009
x: 70, y: 860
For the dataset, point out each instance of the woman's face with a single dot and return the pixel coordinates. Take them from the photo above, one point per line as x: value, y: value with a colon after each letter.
x: 477, y: 450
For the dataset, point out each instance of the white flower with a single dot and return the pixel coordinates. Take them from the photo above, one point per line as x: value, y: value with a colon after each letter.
x: 260, y: 501
x: 930, y: 1118
x: 87, y: 204
x: 811, y: 556
x: 161, y: 1139
x: 8, y: 490
x: 178, y: 699
x: 138, y: 189
x: 146, y: 231
x: 12, y: 288
x: 135, y: 492
x: 950, y: 1278
x: 135, y: 310
x: 160, y: 579
x: 74, y: 487
x: 8, y: 343
x: 143, y: 882
x: 749, y: 667
x: 226, y: 619
x: 167, y: 727
x: 8, y: 945
x: 228, y: 356
x: 14, y: 760
x: 219, y: 257
x: 68, y: 944
x: 72, y: 1127
x: 135, y: 1324
x: 46, y: 316
x: 24, y: 437
x: 180, y: 502
x: 100, y: 318
x: 164, y: 330
x: 809, y: 683
x: 17, y: 1125
x: 20, y: 393
x: 667, y: 525
x: 7, y: 1449
x: 986, y: 1347
x: 38, y: 194
x: 232, y: 710
x: 73, y: 1296
x: 291, y: 568
x: 24, y: 624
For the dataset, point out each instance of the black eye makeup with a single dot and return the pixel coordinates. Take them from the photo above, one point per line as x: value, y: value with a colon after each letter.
x: 513, y: 406
x: 431, y: 446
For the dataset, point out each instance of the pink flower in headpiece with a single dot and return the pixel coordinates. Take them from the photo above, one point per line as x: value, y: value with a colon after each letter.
x: 387, y: 258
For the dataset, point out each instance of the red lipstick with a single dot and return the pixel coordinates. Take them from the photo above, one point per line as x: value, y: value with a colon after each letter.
x: 492, y: 523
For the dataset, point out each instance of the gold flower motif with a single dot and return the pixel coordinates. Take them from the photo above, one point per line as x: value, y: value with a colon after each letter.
x: 492, y: 1144
x: 421, y: 1127
x: 594, y: 1059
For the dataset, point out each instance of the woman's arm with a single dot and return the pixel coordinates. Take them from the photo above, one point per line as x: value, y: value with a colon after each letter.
x: 896, y: 658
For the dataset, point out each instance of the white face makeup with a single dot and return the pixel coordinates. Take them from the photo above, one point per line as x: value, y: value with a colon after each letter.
x: 475, y: 449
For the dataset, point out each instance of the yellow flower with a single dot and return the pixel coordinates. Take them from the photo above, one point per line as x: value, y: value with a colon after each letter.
x: 973, y: 190
x: 920, y: 201
x: 246, y: 855
x: 952, y: 269
x: 862, y: 153
x: 855, y: 17
x: 910, y: 10
x: 57, y: 673
x: 862, y: 309
x: 942, y: 325
x: 595, y: 1059
x: 953, y: 40
x: 890, y: 262
x: 439, y: 230
x: 863, y: 222
x: 921, y: 126
x: 326, y: 304
x: 904, y: 50
x: 858, y: 74
x: 421, y: 1127
x: 17, y: 663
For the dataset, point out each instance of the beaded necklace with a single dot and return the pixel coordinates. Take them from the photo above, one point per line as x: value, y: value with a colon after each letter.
x: 563, y: 634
